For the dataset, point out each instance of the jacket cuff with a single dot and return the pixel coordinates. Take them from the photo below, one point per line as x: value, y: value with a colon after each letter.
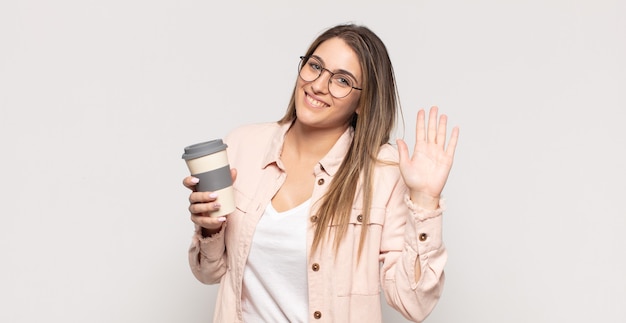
x: 423, y: 232
x: 211, y: 247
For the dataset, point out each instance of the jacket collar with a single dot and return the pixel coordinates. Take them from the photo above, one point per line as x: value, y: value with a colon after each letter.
x: 329, y: 163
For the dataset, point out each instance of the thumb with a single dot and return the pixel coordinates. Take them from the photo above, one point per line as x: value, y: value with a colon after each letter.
x: 233, y: 173
x: 403, y: 151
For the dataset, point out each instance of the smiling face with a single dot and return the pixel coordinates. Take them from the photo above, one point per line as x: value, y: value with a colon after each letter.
x: 315, y: 106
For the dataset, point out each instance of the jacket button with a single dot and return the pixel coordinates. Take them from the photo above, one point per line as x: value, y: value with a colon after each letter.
x: 423, y: 237
x: 359, y: 218
x: 314, y: 218
x: 317, y: 315
x: 315, y: 267
x: 320, y: 181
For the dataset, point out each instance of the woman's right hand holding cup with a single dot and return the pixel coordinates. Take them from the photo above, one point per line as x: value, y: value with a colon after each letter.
x: 201, y: 204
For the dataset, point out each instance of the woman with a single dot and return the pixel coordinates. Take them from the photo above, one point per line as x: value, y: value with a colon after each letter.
x: 328, y: 212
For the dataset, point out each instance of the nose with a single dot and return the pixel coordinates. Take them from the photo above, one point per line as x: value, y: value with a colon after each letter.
x: 322, y: 83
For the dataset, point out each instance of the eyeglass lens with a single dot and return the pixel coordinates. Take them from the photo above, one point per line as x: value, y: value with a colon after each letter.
x: 339, y: 85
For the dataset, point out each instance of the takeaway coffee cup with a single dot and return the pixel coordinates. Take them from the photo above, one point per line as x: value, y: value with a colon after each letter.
x: 208, y: 162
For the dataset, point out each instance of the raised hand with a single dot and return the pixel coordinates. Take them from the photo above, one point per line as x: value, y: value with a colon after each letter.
x: 426, y: 172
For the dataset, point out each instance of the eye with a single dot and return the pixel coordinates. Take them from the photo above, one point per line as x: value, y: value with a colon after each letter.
x: 315, y: 65
x: 342, y: 80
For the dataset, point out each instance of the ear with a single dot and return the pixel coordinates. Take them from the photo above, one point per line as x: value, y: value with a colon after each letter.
x: 359, y: 106
x: 358, y: 109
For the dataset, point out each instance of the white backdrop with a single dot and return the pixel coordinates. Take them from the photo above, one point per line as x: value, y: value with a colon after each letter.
x: 98, y: 99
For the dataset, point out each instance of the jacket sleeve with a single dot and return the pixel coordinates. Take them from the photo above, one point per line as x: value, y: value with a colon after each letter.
x: 412, y: 234
x: 207, y: 256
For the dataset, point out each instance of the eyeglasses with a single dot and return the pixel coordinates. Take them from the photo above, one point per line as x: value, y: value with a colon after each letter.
x: 339, y: 84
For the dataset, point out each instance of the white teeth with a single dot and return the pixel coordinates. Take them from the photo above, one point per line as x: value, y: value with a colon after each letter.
x: 315, y: 103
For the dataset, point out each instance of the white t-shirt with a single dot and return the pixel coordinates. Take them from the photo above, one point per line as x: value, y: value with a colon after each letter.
x: 275, y: 277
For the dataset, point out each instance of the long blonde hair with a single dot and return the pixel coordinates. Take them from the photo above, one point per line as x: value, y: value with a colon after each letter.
x: 378, y: 107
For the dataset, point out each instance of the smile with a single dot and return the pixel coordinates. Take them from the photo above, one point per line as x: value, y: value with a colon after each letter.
x: 315, y: 103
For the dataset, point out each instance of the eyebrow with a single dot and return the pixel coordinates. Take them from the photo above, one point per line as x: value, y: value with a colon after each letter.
x: 339, y: 71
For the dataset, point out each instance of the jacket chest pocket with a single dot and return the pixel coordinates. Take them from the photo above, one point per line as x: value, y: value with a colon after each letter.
x: 360, y: 276
x: 242, y: 202
x: 243, y: 205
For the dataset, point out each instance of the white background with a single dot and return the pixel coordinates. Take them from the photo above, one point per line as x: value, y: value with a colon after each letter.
x: 98, y: 99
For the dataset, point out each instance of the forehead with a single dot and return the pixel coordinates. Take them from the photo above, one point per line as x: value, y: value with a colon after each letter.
x: 337, y: 56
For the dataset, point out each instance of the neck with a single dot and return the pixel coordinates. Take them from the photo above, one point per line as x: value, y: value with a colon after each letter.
x: 311, y: 143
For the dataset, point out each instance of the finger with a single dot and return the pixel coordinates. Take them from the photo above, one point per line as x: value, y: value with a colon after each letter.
x: 432, y: 124
x: 420, y: 128
x: 454, y: 138
x: 207, y: 221
x: 203, y: 208
x: 190, y: 182
x: 441, y: 131
x: 202, y: 197
x: 403, y: 151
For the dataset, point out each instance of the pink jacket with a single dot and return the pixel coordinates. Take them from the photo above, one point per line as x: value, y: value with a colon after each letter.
x: 340, y: 288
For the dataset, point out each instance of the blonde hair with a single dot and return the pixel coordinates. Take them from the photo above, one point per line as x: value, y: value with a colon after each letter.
x: 378, y: 107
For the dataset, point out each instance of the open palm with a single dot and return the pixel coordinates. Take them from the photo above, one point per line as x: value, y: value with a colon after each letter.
x: 426, y: 172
